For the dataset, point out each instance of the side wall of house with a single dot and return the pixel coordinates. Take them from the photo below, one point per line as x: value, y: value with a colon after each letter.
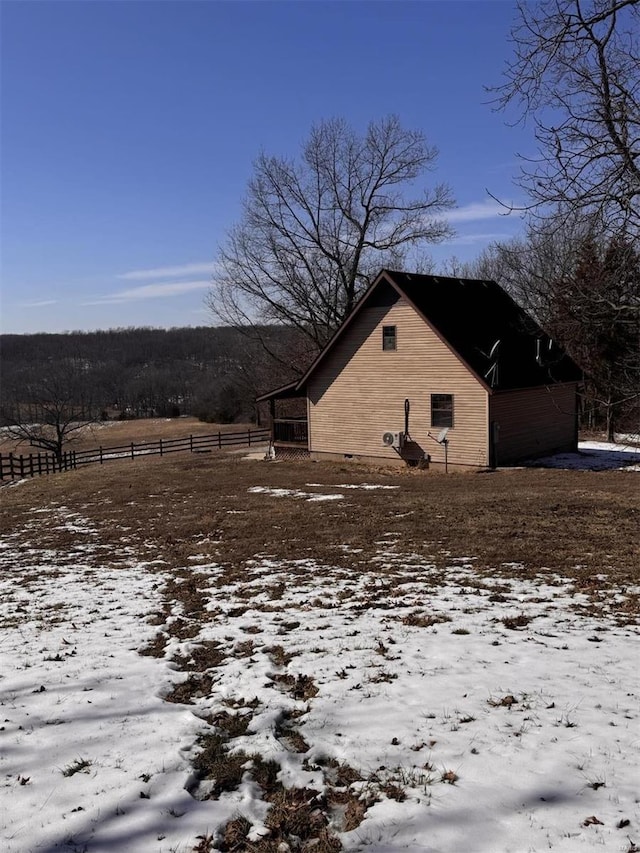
x: 534, y: 421
x: 358, y: 392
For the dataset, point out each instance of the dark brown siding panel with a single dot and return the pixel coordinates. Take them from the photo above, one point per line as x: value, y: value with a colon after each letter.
x: 534, y: 422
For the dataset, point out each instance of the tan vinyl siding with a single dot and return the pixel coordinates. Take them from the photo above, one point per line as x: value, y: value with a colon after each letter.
x: 358, y: 391
x: 534, y: 421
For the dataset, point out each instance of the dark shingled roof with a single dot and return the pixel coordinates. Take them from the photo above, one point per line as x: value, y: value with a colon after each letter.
x: 489, y: 331
x: 479, y: 321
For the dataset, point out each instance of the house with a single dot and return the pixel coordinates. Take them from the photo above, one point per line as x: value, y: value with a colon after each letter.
x: 431, y: 369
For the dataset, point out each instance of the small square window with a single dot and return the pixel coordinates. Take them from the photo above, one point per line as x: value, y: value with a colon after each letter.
x: 442, y: 410
x: 388, y: 337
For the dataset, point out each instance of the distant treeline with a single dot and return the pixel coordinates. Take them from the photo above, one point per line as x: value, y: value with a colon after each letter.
x: 213, y: 373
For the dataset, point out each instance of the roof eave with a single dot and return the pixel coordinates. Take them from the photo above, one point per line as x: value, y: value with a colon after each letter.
x: 284, y: 392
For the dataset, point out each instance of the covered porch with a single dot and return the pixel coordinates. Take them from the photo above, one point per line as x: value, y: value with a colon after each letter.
x: 288, y: 425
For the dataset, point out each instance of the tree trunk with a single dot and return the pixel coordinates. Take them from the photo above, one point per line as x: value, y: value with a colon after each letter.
x: 610, y: 422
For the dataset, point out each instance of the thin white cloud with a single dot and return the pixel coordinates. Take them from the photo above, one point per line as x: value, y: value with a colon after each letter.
x: 472, y: 239
x: 169, y: 272
x: 40, y: 304
x: 151, y: 291
x: 475, y: 211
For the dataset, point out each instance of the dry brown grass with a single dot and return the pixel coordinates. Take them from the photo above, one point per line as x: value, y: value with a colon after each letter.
x: 206, y: 655
x: 300, y: 687
x: 196, y: 686
x: 215, y: 762
x: 573, y: 522
x: 234, y: 834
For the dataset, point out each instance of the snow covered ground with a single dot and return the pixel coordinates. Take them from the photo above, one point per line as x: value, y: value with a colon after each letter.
x: 474, y: 713
x: 85, y: 736
x: 597, y: 456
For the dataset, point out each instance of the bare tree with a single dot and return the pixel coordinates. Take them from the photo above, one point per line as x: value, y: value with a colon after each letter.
x: 315, y: 231
x: 596, y: 309
x: 576, y: 75
x: 527, y: 266
x: 585, y: 291
x: 47, y: 411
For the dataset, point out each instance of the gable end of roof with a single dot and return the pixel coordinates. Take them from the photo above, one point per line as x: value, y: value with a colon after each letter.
x: 477, y: 320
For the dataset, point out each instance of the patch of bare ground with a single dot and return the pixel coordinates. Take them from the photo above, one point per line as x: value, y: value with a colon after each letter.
x: 197, y: 686
x: 297, y: 815
x: 186, y: 512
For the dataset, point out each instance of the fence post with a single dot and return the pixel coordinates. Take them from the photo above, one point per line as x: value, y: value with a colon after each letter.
x: 31, y: 465
x: 219, y: 439
x: 21, y: 466
x: 101, y: 454
x: 11, y: 465
x: 160, y: 447
x: 249, y: 434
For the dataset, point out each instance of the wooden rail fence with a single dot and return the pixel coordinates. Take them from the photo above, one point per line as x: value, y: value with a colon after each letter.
x: 14, y: 466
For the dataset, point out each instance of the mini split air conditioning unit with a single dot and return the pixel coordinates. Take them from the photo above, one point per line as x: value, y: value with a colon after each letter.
x: 393, y: 439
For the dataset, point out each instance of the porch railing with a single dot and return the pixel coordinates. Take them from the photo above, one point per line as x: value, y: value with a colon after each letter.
x: 291, y: 430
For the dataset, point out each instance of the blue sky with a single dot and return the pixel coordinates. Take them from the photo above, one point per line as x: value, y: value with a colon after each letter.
x: 129, y: 131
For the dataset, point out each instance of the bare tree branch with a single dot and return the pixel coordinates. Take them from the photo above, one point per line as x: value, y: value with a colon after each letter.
x: 575, y: 75
x: 314, y: 232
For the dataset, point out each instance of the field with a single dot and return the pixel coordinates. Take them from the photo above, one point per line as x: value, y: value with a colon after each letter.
x: 114, y: 433
x: 226, y: 654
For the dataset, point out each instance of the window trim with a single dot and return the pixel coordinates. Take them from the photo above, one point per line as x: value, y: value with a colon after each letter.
x: 438, y: 411
x: 386, y: 340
